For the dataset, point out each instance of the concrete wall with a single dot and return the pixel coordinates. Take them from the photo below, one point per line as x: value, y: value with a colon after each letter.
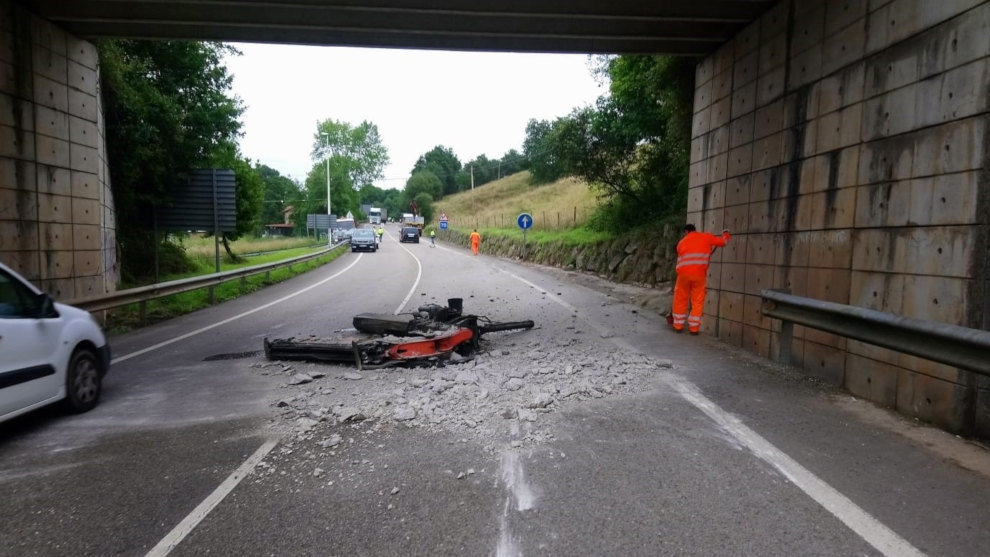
x: 56, y: 209
x: 845, y: 143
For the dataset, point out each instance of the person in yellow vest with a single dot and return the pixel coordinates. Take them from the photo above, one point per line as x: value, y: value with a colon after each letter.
x: 475, y: 241
x: 433, y: 238
x: 380, y: 232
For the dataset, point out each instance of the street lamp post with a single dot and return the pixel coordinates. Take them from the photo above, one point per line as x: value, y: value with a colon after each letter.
x: 329, y: 219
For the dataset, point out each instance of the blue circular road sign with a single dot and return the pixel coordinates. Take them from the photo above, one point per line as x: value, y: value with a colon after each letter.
x: 443, y: 225
x: 525, y: 221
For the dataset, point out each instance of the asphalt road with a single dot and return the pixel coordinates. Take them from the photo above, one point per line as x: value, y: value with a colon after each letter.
x: 673, y: 445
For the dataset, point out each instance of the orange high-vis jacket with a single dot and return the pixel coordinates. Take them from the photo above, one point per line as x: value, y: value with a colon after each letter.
x: 695, y: 250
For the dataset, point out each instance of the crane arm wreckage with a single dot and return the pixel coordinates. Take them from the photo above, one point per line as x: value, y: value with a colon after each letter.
x: 429, y: 336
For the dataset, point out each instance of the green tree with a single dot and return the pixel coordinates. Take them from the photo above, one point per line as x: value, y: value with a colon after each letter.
x: 168, y: 109
x: 370, y: 193
x: 484, y: 170
x: 357, y: 151
x: 633, y: 145
x: 444, y: 164
x: 539, y: 148
x: 395, y: 202
x: 424, y: 202
x: 424, y: 181
x: 280, y: 192
x: 510, y: 163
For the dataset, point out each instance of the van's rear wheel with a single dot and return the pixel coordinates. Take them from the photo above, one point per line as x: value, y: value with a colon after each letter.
x: 82, y: 381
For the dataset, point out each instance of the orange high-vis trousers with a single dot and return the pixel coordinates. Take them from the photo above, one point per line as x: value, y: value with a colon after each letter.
x: 688, y: 288
x: 475, y: 244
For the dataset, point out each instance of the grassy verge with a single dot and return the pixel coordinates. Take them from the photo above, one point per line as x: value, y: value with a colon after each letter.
x: 567, y: 203
x: 567, y: 237
x: 128, y: 317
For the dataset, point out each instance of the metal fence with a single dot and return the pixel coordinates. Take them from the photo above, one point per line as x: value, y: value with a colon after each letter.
x: 960, y: 347
x: 542, y: 220
x: 142, y: 294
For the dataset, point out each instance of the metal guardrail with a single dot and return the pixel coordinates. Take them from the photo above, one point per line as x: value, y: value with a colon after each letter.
x: 142, y: 294
x: 940, y: 342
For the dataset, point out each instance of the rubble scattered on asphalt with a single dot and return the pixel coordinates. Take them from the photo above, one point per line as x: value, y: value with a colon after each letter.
x: 502, y: 397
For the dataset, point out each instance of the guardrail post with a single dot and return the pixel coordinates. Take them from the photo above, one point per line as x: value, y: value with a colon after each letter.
x: 142, y: 311
x: 268, y: 276
x: 243, y: 283
x: 785, y: 339
x: 212, y: 299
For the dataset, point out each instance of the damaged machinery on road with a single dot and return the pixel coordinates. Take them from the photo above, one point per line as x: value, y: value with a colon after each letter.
x: 433, y: 335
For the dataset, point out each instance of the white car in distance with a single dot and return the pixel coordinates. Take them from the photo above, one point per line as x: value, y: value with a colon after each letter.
x: 49, y: 352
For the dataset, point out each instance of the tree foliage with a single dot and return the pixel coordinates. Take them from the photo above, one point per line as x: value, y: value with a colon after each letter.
x: 280, y: 192
x: 442, y: 163
x: 424, y: 181
x: 168, y: 109
x: 356, y: 157
x: 633, y: 144
x: 358, y: 151
x: 424, y: 204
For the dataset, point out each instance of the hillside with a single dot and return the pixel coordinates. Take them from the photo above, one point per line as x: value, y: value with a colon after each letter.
x: 559, y: 205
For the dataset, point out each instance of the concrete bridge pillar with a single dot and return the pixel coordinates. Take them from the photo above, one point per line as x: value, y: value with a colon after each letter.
x: 56, y: 209
x: 845, y: 145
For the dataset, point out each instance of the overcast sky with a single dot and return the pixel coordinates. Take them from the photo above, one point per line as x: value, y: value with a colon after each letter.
x: 474, y: 103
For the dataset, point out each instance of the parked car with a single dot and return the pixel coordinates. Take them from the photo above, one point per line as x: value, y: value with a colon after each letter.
x: 409, y: 234
x: 364, y: 239
x: 49, y: 352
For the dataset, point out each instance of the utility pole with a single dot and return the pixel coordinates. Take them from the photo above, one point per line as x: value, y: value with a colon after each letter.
x: 472, y: 176
x: 329, y: 218
x: 499, y: 169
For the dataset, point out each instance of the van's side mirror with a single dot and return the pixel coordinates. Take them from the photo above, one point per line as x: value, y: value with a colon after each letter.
x: 46, y: 307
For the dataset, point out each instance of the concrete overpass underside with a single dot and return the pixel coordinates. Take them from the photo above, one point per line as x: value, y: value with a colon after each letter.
x: 845, y: 144
x: 581, y: 26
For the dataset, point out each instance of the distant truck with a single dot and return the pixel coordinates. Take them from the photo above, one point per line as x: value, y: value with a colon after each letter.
x: 377, y: 215
x: 409, y: 220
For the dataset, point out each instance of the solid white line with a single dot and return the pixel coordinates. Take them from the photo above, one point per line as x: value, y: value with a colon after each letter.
x: 173, y: 538
x: 874, y: 532
x: 236, y: 317
x: 419, y: 274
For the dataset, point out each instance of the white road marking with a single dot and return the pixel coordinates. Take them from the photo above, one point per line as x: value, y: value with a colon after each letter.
x: 515, y: 479
x: 173, y: 538
x: 874, y: 532
x: 234, y: 318
x: 419, y: 274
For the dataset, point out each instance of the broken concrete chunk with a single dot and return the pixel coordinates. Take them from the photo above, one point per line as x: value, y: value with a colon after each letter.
x: 404, y: 413
x: 349, y: 414
x: 299, y: 379
x: 526, y: 415
x: 331, y: 441
x: 514, y: 384
x: 352, y: 376
x: 305, y: 424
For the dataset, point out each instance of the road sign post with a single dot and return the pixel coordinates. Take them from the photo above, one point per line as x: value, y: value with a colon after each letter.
x: 525, y: 222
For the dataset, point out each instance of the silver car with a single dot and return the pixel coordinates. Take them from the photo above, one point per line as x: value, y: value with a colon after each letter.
x: 364, y: 239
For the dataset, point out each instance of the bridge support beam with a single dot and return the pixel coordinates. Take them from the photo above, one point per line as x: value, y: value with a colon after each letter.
x: 56, y: 209
x: 845, y: 145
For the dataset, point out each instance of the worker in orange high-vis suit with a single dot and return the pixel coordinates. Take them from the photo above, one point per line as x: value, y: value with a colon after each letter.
x: 693, y: 253
x: 475, y: 241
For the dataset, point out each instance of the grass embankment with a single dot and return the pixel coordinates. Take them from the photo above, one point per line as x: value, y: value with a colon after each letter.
x: 200, y: 251
x: 560, y: 209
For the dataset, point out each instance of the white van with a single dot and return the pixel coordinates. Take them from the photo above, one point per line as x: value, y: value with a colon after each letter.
x: 49, y: 352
